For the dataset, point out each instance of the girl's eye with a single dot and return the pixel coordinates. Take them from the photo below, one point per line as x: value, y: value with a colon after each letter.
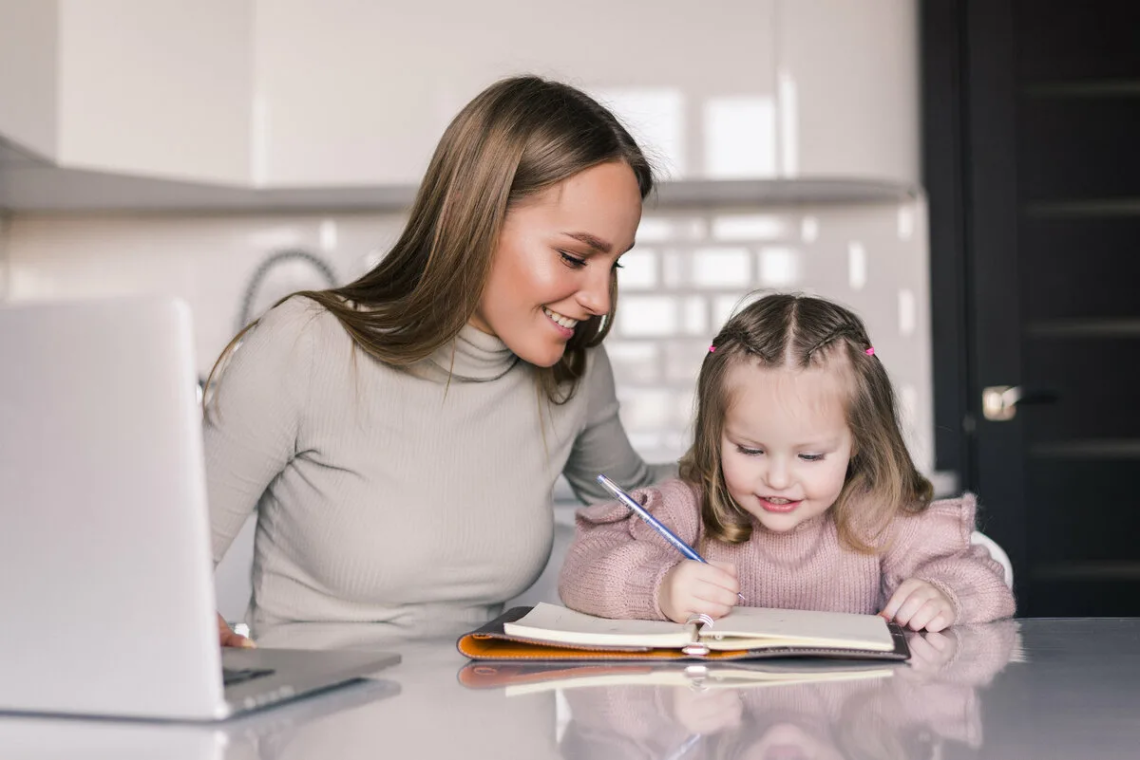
x: 572, y: 261
x: 812, y: 457
x: 749, y: 452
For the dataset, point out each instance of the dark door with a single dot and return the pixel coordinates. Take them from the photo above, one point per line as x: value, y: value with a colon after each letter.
x: 1040, y: 382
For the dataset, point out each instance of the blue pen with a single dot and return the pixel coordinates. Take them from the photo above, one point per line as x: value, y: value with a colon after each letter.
x: 654, y: 523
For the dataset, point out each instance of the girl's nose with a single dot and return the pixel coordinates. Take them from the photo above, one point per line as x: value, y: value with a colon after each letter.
x: 777, y: 474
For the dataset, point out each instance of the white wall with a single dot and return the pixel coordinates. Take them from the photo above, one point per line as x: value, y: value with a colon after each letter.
x: 689, y: 269
x: 3, y: 256
x: 28, y: 73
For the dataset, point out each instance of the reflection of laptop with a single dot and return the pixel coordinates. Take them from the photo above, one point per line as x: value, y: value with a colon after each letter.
x: 106, y: 584
x: 257, y: 734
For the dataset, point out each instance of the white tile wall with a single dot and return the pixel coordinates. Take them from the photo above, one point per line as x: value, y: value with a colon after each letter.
x: 688, y: 273
x: 3, y: 257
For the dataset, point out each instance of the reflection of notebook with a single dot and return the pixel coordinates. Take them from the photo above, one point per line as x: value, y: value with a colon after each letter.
x: 526, y: 678
x: 105, y: 570
x: 551, y: 632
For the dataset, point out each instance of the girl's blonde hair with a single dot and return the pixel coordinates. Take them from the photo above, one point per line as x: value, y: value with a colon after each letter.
x: 517, y: 138
x: 799, y: 332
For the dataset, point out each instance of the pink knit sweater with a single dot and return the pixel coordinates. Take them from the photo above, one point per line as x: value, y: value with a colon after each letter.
x: 617, y: 562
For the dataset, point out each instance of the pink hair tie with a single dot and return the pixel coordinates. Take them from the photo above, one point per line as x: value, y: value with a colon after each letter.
x: 712, y: 349
x: 870, y: 351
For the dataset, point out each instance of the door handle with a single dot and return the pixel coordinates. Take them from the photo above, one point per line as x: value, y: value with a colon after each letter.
x: 1000, y: 402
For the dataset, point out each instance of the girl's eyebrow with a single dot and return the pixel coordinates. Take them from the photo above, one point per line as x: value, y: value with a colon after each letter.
x: 823, y: 443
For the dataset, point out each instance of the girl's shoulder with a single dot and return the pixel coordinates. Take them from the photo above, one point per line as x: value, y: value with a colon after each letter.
x: 947, y: 523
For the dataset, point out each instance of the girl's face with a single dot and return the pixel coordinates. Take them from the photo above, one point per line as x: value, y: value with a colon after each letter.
x: 785, y: 445
x: 554, y: 260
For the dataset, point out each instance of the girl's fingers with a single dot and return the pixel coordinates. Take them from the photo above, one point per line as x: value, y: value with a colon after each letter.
x: 938, y: 623
x: 722, y: 574
x: 712, y: 609
x: 912, y: 605
x: 714, y: 593
x: 902, y: 593
x: 924, y: 615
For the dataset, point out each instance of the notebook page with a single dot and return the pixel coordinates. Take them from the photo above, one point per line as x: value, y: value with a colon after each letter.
x: 558, y: 625
x: 758, y: 627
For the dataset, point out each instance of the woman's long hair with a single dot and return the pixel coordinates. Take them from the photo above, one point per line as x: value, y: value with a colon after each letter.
x: 515, y: 139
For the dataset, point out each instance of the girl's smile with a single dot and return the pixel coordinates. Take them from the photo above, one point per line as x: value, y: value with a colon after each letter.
x: 778, y: 505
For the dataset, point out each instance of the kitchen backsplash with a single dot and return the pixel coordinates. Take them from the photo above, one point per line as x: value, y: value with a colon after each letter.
x: 690, y: 269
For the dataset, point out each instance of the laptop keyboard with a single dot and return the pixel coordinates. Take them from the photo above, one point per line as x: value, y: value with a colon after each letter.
x: 231, y: 676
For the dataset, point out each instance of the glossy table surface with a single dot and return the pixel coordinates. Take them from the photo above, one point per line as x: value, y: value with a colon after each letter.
x: 1036, y: 688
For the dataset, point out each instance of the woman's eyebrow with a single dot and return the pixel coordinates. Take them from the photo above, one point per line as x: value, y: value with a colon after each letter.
x: 593, y: 241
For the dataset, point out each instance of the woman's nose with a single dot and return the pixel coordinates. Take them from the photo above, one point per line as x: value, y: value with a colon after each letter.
x: 595, y: 293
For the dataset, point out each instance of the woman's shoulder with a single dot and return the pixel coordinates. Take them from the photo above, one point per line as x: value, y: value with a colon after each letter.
x: 300, y: 319
x: 669, y: 496
x: 296, y: 313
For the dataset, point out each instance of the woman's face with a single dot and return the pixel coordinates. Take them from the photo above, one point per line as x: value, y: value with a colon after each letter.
x: 554, y: 260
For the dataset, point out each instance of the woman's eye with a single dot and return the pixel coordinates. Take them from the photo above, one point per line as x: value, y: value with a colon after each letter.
x: 572, y: 261
x: 749, y: 452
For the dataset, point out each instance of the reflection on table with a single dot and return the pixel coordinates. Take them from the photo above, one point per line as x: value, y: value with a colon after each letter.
x: 1032, y: 688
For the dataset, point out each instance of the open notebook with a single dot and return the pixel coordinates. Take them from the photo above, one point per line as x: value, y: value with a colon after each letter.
x: 550, y: 632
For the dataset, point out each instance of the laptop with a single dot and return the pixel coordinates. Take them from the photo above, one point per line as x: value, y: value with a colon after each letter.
x: 106, y: 575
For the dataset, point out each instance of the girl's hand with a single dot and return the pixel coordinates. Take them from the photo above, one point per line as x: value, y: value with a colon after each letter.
x: 692, y: 588
x: 919, y: 606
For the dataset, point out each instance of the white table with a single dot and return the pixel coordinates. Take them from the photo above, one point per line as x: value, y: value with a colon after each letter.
x: 1066, y: 688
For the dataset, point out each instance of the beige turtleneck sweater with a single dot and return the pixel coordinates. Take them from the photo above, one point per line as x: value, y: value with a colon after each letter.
x: 617, y: 562
x: 397, y: 497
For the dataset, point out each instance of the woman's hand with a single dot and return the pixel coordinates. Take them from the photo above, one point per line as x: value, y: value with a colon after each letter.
x: 694, y: 588
x: 227, y: 638
x: 919, y: 606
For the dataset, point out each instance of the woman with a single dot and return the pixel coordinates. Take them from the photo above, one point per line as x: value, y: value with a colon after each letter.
x: 400, y: 437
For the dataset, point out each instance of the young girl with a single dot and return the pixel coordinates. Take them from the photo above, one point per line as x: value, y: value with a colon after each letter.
x: 799, y: 491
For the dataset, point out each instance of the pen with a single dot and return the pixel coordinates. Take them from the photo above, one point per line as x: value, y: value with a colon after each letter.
x: 654, y: 523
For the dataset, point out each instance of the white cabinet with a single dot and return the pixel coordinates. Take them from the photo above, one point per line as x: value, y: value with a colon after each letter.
x: 848, y: 92
x: 283, y: 95
x: 357, y: 93
x: 28, y: 68
x: 352, y: 93
x: 158, y: 88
